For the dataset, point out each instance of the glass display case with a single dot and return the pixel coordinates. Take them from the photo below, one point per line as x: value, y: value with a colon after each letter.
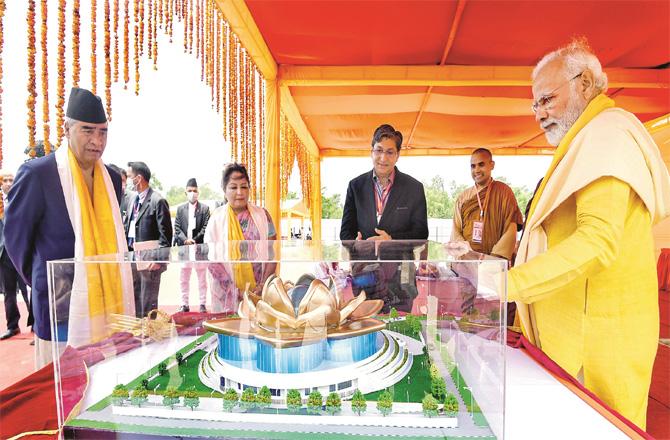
x: 399, y: 338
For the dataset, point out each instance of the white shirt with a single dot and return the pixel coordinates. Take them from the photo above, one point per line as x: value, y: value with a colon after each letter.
x: 191, y: 219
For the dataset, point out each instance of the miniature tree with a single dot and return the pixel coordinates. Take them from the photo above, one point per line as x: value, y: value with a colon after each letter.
x: 162, y: 369
x: 179, y: 357
x: 293, y: 401
x: 139, y: 396
x: 416, y: 325
x: 358, y: 403
x: 333, y: 403
x: 248, y: 399
x: 429, y: 405
x: 434, y: 372
x: 191, y: 399
x: 393, y: 314
x: 264, y: 398
x: 450, y: 407
x: 230, y: 399
x: 494, y: 315
x: 385, y: 403
x: 119, y: 395
x: 314, y: 402
x: 145, y: 383
x: 171, y: 397
x: 438, y: 388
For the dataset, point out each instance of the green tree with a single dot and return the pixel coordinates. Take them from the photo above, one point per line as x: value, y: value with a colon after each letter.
x: 179, y: 357
x: 208, y: 193
x: 393, y: 314
x: 176, y: 195
x: 333, y: 403
x: 230, y: 399
x: 438, y: 388
x: 331, y: 206
x: 450, y: 407
x: 358, y: 403
x: 434, y: 372
x: 171, y: 397
x: 314, y: 402
x: 438, y: 201
x: 429, y: 405
x: 521, y: 193
x: 120, y: 395
x: 415, y: 325
x: 385, y: 403
x: 145, y: 382
x: 291, y: 195
x: 155, y: 183
x: 191, y: 399
x: 264, y: 398
x: 494, y: 315
x: 248, y: 399
x: 293, y: 401
x: 162, y: 369
x: 139, y: 396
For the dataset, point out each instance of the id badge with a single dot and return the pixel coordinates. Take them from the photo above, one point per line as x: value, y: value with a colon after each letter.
x: 477, y: 231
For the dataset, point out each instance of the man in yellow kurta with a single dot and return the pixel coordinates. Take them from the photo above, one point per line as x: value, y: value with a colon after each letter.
x: 585, y: 279
x: 487, y: 215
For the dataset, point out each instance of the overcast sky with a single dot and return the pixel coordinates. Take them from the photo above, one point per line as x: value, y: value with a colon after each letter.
x: 172, y: 125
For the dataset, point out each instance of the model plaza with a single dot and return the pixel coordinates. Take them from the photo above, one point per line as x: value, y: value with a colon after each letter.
x: 305, y: 338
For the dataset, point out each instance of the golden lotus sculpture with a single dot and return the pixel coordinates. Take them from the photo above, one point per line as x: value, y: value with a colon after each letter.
x: 308, y: 313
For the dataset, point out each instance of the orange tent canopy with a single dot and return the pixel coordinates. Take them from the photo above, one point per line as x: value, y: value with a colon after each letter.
x: 452, y: 75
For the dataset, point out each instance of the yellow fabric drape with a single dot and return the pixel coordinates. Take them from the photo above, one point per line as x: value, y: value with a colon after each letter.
x: 597, y: 105
x: 99, y: 238
x: 244, y: 272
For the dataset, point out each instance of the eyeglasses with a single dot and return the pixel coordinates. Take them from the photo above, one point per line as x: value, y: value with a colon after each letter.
x: 387, y: 153
x: 545, y: 102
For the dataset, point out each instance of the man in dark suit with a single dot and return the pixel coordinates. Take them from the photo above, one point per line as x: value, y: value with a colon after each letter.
x: 148, y: 219
x: 10, y: 278
x: 385, y: 204
x: 37, y: 221
x: 189, y: 229
x: 127, y: 196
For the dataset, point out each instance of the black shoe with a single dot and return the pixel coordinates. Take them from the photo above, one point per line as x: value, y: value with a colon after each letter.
x: 184, y: 309
x: 9, y: 333
x: 203, y: 309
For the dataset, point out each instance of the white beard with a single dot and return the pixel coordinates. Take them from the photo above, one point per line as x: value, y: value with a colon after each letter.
x: 572, y: 112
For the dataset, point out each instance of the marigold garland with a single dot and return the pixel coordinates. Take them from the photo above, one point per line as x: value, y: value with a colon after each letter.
x: 150, y: 27
x: 32, y: 94
x: 155, y: 54
x: 217, y: 62
x: 76, y: 67
x: 190, y: 27
x: 45, y: 79
x: 60, y: 82
x: 115, y: 27
x: 94, y: 43
x: 2, y: 43
x: 184, y: 15
x: 126, y: 44
x: 137, y: 47
x: 224, y: 78
x: 108, y: 63
x: 141, y: 25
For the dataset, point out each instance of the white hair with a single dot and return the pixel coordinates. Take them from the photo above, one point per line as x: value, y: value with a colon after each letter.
x: 577, y: 57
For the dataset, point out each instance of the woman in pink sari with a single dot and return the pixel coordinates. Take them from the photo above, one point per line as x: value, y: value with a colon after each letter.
x: 237, y: 232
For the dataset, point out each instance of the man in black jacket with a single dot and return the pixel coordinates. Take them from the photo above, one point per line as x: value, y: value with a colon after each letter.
x: 148, y: 219
x: 385, y: 204
x: 189, y: 229
x: 10, y: 278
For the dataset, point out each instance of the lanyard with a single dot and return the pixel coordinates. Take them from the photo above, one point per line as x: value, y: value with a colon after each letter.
x: 482, y: 209
x: 381, y: 196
